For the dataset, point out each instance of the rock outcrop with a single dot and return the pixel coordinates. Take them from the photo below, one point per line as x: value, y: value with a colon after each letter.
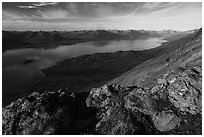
x: 48, y: 113
x: 136, y: 110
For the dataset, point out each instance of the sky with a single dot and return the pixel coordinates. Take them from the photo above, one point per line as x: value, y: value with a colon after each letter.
x: 68, y: 16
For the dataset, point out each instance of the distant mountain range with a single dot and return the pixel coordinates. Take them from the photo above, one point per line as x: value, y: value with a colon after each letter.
x: 47, y: 39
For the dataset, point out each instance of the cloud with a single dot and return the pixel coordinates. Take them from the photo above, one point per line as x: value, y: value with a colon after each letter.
x: 35, y: 5
x: 79, y: 9
x: 94, y: 9
x: 53, y: 14
x: 44, y: 4
x: 106, y: 14
x: 27, y: 7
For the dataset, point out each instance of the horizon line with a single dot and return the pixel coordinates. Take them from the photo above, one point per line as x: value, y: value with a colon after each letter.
x: 103, y: 29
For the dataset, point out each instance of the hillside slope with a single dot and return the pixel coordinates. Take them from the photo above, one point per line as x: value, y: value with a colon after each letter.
x: 147, y: 72
x: 160, y: 96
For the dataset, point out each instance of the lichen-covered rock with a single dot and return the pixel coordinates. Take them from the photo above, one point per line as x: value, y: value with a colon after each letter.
x: 45, y: 113
x: 108, y: 99
x: 48, y: 113
x: 137, y: 100
x: 165, y: 121
x: 124, y: 110
x: 184, y: 92
x: 183, y: 89
x: 100, y: 97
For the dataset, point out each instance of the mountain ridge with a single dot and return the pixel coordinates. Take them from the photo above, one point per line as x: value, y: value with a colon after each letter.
x: 50, y: 39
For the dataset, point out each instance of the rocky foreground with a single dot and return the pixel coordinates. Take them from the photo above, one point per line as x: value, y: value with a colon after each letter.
x: 173, y: 106
x: 49, y: 113
x: 161, y: 96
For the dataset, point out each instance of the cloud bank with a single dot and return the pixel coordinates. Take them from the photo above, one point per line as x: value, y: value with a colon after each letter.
x: 95, y: 15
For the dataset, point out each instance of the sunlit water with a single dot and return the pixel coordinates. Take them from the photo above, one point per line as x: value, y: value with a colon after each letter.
x: 18, y: 76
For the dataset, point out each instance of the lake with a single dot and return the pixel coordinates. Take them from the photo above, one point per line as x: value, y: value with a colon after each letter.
x: 21, y: 67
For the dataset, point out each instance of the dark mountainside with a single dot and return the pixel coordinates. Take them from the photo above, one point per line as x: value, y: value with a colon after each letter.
x: 85, y: 72
x: 160, y: 96
x: 77, y: 74
x: 50, y: 39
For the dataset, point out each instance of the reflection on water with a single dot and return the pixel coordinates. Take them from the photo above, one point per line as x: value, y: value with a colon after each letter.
x: 18, y: 76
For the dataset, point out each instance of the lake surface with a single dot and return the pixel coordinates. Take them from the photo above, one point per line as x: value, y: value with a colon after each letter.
x: 18, y: 75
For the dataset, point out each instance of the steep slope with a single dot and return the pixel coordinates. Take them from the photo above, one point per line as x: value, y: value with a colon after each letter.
x: 161, y: 96
x: 145, y: 73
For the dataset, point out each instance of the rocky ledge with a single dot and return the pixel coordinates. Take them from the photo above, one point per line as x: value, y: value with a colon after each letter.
x: 172, y: 106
